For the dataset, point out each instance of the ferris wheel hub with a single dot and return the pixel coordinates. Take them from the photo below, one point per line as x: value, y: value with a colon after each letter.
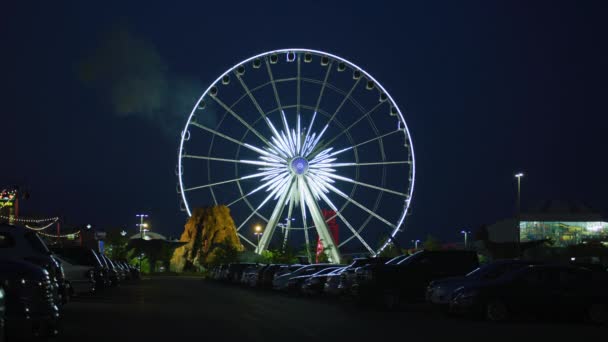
x: 299, y: 166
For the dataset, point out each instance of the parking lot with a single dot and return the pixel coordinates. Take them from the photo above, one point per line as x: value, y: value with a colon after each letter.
x: 160, y: 308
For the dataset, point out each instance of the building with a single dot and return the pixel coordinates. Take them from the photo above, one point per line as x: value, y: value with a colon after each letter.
x: 565, y: 223
x: 571, y: 230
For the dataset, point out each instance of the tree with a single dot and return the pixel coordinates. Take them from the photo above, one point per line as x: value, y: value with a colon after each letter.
x: 210, y: 237
x: 116, y: 245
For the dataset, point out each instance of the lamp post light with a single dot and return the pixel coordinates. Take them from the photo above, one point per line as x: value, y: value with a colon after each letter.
x: 466, y: 237
x: 89, y: 226
x: 258, y: 232
x: 415, y: 242
x: 123, y: 233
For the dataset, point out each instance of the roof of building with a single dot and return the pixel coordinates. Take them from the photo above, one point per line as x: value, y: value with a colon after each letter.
x: 559, y: 210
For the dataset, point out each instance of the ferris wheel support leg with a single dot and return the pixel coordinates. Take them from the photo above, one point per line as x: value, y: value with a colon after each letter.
x: 273, y: 220
x: 321, y: 226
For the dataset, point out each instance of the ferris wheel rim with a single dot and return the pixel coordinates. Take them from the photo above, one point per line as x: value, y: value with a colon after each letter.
x: 399, y: 113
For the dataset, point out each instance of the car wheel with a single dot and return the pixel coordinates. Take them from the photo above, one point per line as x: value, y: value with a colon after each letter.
x: 598, y: 313
x: 496, y: 311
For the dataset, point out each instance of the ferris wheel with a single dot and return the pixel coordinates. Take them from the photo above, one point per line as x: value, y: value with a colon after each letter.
x: 305, y: 148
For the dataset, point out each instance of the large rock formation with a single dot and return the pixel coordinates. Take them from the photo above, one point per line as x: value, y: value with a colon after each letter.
x: 209, y: 232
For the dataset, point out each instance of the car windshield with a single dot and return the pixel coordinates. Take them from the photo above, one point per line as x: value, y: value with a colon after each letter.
x: 36, y: 242
x: 408, y: 259
x: 325, y: 271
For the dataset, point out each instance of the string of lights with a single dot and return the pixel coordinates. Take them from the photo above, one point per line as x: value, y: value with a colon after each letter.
x: 40, y: 228
x: 75, y: 234
x: 28, y: 220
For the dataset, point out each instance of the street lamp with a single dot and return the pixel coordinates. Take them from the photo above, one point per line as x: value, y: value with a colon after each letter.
x: 415, y: 242
x: 88, y: 226
x: 123, y: 233
x: 285, y: 227
x: 258, y: 232
x: 141, y: 226
x: 466, y: 237
x: 518, y: 176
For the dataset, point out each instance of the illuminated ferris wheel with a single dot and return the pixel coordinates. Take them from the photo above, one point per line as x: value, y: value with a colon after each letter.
x: 304, y: 144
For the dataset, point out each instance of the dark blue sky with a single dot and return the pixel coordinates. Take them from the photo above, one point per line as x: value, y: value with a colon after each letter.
x: 488, y: 88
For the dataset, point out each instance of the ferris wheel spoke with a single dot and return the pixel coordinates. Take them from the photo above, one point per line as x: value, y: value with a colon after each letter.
x: 371, y: 186
x: 248, y: 146
x: 276, y: 92
x: 328, y: 186
x: 350, y: 227
x: 271, y: 195
x: 246, y: 240
x: 279, y: 177
x: 251, y: 97
x: 241, y: 120
x: 345, y: 131
x: 363, y: 143
x: 226, y: 181
x: 326, y: 165
x: 323, y: 86
x: 298, y: 87
x: 241, y: 161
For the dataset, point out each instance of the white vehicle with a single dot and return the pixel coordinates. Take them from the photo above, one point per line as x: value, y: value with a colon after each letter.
x: 80, y: 278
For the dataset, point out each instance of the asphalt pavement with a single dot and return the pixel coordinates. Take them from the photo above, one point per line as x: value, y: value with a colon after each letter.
x: 169, y: 308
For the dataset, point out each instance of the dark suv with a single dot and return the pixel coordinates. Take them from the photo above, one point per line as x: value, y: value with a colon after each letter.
x: 30, y: 305
x: 407, y: 279
x: 25, y: 244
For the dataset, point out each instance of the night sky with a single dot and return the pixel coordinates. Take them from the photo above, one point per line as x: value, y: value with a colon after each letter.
x: 94, y: 97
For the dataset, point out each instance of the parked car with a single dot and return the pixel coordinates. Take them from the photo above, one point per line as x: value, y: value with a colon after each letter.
x: 235, y: 271
x: 332, y: 283
x: 315, y: 284
x: 256, y: 277
x: 25, y: 244
x: 268, y: 275
x: 281, y: 282
x: 86, y: 257
x: 113, y: 274
x: 406, y: 280
x: 80, y: 279
x: 294, y: 284
x: 349, y: 275
x: 439, y: 292
x: 31, y: 310
x: 547, y: 290
x: 248, y: 273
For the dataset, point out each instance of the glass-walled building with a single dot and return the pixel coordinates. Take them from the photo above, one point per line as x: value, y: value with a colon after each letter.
x: 563, y: 233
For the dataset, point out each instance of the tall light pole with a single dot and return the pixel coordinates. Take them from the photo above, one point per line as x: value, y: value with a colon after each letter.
x: 518, y: 176
x: 258, y: 232
x: 141, y: 226
x: 466, y: 238
x: 415, y: 243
